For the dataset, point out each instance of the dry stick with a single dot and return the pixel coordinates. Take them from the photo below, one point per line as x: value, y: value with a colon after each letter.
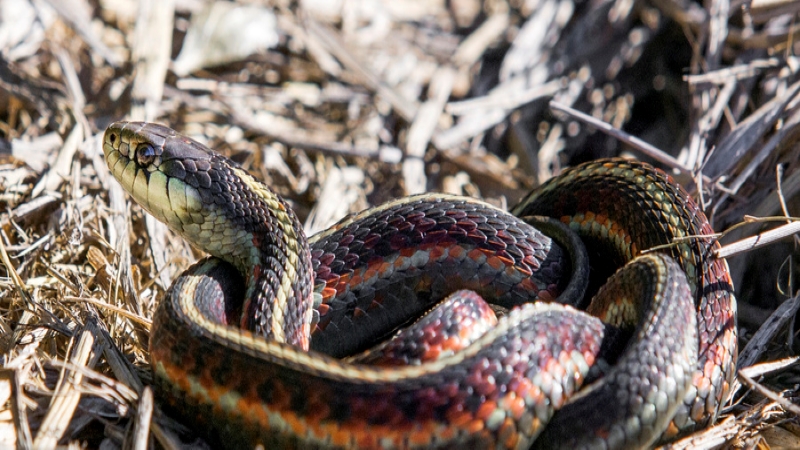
x: 43, y: 97
x: 293, y: 140
x: 68, y: 394
x: 57, y: 275
x: 423, y: 127
x: 60, y: 171
x: 515, y: 90
x: 469, y: 126
x: 30, y: 209
x: 775, y: 397
x: 73, y: 84
x: 493, y: 108
x: 122, y: 312
x: 316, y: 49
x: 779, y: 184
x: 789, y: 126
x: 740, y: 72
x: 99, y: 385
x: 718, y: 31
x: 684, y: 12
x: 18, y: 410
x: 27, y: 315
x: 334, y: 148
x: 503, y: 98
x: 785, y: 209
x: 165, y: 437
x: 407, y: 109
x: 758, y: 240
x: 770, y: 204
x: 85, y: 29
x: 152, y: 45
x: 633, y: 141
x: 282, y: 97
x: 709, y: 122
x: 767, y: 331
x: 767, y: 237
x: 37, y: 152
x: 141, y: 427
x: 764, y: 10
x: 474, y: 46
x: 708, y: 439
x: 740, y: 141
x: 770, y: 367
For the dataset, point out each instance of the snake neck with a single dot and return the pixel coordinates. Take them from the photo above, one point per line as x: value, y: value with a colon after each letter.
x: 277, y: 265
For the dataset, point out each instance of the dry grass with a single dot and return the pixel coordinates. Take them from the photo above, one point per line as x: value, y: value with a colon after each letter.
x: 342, y: 107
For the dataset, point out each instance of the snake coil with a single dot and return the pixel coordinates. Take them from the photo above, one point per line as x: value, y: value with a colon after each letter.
x: 230, y: 343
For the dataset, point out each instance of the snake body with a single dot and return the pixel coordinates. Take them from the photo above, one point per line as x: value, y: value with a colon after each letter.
x: 230, y: 347
x: 622, y: 208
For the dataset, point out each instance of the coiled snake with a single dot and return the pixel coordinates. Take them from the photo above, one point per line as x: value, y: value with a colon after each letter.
x: 230, y: 347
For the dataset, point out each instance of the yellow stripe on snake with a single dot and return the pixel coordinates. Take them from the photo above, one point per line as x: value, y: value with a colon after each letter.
x: 247, y: 344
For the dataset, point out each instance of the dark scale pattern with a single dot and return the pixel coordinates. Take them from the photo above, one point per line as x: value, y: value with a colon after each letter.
x: 650, y: 209
x: 633, y: 405
x: 479, y: 399
x: 450, y: 326
x: 500, y: 390
x: 392, y: 264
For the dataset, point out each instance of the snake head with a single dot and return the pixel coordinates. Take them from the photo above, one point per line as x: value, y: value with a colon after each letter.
x: 198, y: 193
x: 214, y: 204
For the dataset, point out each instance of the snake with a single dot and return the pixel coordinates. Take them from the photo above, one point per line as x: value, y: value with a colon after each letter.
x: 249, y: 343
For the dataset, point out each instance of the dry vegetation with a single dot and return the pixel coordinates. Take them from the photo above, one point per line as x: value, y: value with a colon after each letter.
x: 342, y: 105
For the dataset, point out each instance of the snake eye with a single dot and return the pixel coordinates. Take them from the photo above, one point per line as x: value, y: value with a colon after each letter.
x: 145, y: 154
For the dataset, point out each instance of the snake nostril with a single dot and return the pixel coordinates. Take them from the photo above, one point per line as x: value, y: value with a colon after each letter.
x: 145, y: 154
x: 112, y: 138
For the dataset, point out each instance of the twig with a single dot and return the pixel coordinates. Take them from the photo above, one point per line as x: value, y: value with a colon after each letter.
x: 633, y: 141
x: 777, y: 398
x: 407, y: 109
x: 147, y: 323
x: 759, y: 240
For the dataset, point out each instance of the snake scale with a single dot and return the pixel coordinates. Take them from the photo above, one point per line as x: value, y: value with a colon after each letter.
x: 247, y: 343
